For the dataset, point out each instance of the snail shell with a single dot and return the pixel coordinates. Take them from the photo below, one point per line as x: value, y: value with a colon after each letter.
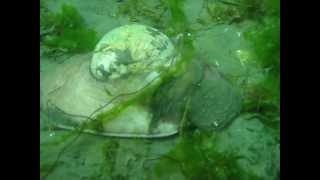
x: 131, y: 49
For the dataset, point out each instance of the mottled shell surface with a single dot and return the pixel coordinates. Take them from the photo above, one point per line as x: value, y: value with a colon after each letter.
x: 131, y: 49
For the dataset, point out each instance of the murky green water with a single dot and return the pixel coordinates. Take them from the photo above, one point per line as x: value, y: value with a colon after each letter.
x: 211, y: 113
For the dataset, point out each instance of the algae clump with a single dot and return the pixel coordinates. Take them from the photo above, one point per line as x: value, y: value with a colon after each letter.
x: 264, y: 97
x: 68, y: 31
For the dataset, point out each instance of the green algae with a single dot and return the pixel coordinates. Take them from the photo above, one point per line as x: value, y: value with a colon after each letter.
x: 195, y: 157
x: 264, y: 97
x: 66, y: 31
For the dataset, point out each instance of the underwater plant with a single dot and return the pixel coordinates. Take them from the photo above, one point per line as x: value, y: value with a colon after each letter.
x: 166, y: 15
x: 195, y: 157
x: 221, y: 12
x: 264, y: 97
x: 109, y: 150
x: 147, y: 12
x: 229, y: 11
x: 66, y: 31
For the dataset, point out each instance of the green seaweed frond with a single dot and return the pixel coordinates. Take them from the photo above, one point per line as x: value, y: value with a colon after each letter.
x: 142, y: 11
x: 66, y: 31
x: 195, y: 157
x: 264, y: 97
